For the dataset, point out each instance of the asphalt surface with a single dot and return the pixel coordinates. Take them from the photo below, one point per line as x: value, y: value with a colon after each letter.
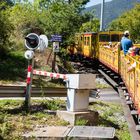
x: 107, y: 95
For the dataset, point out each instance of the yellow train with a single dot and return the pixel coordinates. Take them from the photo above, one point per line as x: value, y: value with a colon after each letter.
x: 105, y: 47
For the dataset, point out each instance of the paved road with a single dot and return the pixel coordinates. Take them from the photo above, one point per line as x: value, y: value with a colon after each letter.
x: 107, y: 95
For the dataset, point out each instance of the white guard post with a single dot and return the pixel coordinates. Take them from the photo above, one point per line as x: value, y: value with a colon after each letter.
x: 78, y: 88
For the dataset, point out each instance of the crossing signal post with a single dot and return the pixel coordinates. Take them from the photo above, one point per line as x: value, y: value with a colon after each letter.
x: 32, y: 42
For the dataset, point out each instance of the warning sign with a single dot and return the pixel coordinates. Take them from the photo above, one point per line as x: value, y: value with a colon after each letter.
x: 55, y: 46
x: 56, y: 38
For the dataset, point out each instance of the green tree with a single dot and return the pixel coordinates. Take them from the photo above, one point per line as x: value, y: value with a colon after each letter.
x: 25, y: 19
x: 129, y: 21
x: 90, y: 26
x: 5, y: 29
x: 48, y: 16
x: 63, y: 17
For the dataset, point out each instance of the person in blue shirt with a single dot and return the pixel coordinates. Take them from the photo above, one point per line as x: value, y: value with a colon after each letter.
x: 126, y: 43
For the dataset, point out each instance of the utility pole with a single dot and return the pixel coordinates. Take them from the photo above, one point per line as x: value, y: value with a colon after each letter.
x: 102, y: 15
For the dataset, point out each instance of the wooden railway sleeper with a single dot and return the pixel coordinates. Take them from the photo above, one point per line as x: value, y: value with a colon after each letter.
x: 138, y: 127
x: 126, y: 94
x: 134, y: 112
x: 128, y: 98
x: 138, y: 120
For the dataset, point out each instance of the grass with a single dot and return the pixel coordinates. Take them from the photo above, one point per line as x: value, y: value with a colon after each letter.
x: 12, y: 67
x: 81, y: 122
x: 14, y: 121
x: 111, y: 115
x: 101, y: 86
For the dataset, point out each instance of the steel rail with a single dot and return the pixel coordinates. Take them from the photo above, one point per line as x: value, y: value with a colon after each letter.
x: 19, y: 91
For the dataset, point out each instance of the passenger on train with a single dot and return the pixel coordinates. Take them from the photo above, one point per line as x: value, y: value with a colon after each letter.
x: 126, y: 43
x: 116, y: 47
x: 137, y: 51
x: 108, y: 45
x: 133, y: 52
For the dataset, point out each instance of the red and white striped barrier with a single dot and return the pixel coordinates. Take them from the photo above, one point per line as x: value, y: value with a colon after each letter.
x: 49, y: 74
x: 28, y: 80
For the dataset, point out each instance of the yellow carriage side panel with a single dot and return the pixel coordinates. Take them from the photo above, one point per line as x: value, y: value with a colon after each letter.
x: 137, y: 45
x: 109, y: 40
x: 137, y: 86
x: 122, y: 67
x: 130, y: 75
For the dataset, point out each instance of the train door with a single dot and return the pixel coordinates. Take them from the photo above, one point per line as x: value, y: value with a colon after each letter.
x: 94, y: 46
x: 87, y: 45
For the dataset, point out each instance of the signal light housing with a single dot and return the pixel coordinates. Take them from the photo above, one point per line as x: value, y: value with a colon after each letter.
x: 32, y: 41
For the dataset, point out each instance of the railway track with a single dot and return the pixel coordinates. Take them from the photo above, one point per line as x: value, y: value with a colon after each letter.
x: 19, y: 91
x: 114, y: 80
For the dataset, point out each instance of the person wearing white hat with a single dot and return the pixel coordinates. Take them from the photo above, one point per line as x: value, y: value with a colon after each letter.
x: 126, y: 43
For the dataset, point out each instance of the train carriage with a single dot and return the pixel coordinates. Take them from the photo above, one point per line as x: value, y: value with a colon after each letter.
x: 105, y: 46
x: 109, y: 49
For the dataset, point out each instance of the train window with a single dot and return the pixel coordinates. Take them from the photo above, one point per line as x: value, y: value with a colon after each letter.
x: 104, y: 38
x: 121, y: 35
x: 88, y: 41
x: 81, y: 38
x: 84, y: 40
x: 115, y: 38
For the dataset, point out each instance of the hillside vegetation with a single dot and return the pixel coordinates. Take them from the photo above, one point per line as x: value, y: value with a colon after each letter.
x: 113, y: 9
x: 56, y: 17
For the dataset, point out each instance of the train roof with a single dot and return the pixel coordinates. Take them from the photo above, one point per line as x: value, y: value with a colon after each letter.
x: 110, y: 32
x: 88, y: 33
x: 101, y: 32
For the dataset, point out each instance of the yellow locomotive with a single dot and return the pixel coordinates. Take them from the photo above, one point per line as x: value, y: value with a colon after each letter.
x: 105, y: 47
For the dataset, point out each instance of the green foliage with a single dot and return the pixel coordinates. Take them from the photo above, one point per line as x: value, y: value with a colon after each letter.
x: 25, y: 19
x: 111, y: 115
x: 51, y: 104
x: 113, y: 9
x: 129, y: 21
x: 5, y: 28
x: 42, y: 17
x: 91, y: 26
x: 12, y: 67
x: 49, y: 17
x: 14, y: 121
x: 81, y: 121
